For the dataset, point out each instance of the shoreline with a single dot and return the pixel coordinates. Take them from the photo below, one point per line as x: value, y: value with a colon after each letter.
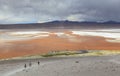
x: 65, y: 54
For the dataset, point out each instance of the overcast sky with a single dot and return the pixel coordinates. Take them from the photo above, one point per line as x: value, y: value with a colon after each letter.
x: 32, y: 11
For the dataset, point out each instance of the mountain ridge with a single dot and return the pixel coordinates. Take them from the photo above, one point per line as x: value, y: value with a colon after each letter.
x: 62, y: 24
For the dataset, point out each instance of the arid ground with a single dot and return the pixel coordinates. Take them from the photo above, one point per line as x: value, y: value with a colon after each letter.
x: 68, y: 66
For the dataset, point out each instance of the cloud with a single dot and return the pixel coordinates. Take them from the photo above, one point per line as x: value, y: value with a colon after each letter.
x: 76, y: 17
x: 18, y: 11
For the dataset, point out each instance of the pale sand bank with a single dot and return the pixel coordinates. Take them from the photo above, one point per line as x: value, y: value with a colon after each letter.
x: 69, y: 66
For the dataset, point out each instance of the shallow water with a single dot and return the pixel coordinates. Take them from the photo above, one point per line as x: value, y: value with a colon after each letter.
x: 29, y: 34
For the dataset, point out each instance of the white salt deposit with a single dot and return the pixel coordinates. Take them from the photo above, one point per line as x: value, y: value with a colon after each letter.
x: 59, y: 34
x: 94, y: 33
x: 27, y: 32
x: 19, y: 35
x: 110, y: 30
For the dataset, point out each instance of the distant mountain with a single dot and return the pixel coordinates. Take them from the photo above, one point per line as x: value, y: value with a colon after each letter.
x: 63, y: 25
x: 66, y: 21
x: 111, y: 22
x: 106, y: 22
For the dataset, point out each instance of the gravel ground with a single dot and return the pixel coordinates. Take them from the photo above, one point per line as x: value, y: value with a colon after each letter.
x: 68, y: 66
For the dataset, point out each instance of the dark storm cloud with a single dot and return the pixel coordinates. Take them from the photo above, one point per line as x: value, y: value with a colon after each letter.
x: 17, y: 11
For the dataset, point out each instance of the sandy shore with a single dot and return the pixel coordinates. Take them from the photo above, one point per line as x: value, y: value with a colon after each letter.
x: 69, y: 66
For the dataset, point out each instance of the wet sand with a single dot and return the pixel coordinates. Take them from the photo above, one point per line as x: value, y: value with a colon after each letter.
x: 69, y: 66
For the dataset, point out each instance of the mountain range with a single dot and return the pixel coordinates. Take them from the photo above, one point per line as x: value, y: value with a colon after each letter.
x: 62, y: 25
